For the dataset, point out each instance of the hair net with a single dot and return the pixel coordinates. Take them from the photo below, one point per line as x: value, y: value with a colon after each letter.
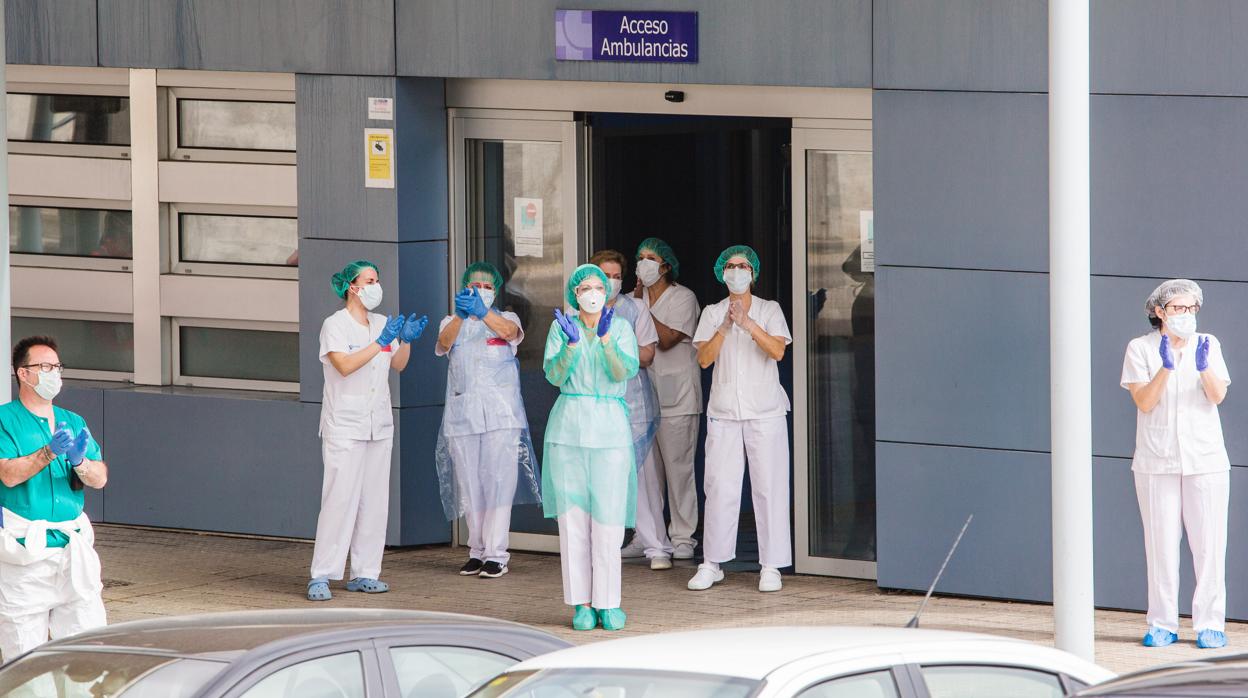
x: 663, y: 250
x: 343, y: 279
x: 578, y: 276
x: 482, y: 268
x: 736, y: 251
x: 1168, y: 290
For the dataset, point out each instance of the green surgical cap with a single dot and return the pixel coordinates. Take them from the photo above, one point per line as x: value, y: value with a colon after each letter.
x: 579, y: 275
x: 482, y: 268
x: 663, y: 250
x: 736, y: 251
x: 343, y: 279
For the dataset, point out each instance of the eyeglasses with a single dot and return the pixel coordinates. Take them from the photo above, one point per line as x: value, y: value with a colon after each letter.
x: 739, y: 265
x: 1182, y: 309
x: 582, y: 289
x: 45, y: 367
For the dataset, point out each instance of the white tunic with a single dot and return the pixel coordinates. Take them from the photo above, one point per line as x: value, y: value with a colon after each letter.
x: 356, y: 406
x: 675, y: 372
x: 746, y: 382
x: 1182, y: 435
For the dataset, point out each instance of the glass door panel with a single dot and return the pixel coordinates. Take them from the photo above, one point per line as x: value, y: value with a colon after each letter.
x: 836, y: 485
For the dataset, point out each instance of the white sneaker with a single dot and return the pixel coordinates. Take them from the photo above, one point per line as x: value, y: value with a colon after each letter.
x: 684, y: 551
x: 660, y: 562
x: 633, y: 549
x: 769, y: 580
x: 706, y: 577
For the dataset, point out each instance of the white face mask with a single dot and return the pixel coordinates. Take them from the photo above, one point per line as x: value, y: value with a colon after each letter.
x: 370, y: 296
x: 592, y: 301
x: 648, y: 272
x: 1182, y: 325
x: 487, y: 296
x: 738, y: 280
x: 49, y: 385
x: 616, y: 285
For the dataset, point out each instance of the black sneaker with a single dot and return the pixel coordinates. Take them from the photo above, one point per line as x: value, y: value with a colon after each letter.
x: 492, y: 570
x: 472, y: 567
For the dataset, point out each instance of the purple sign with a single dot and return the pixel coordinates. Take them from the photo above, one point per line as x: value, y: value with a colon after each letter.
x: 650, y: 37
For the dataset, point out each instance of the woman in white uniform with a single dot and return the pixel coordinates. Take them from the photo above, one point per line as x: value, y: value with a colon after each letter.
x: 650, y: 535
x: 358, y: 350
x: 744, y: 336
x: 484, y: 450
x: 1177, y: 379
x: 678, y: 381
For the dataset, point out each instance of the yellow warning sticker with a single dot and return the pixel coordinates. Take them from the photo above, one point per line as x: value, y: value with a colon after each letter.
x: 379, y: 158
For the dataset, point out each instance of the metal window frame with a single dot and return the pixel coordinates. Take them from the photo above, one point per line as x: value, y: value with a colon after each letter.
x: 54, y: 261
x: 187, y: 153
x: 804, y: 140
x: 267, y: 271
x: 86, y: 89
x: 78, y: 373
x: 179, y: 378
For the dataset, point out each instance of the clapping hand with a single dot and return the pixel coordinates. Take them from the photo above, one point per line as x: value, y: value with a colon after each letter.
x: 463, y: 303
x: 413, y: 328
x: 477, y: 307
x: 739, y: 316
x: 1167, y: 354
x: 62, y: 440
x: 604, y: 322
x: 389, y: 333
x: 1202, y: 354
x: 78, y: 449
x: 568, y: 325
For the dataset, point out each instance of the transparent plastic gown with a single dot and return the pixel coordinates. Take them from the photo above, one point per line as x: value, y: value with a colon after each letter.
x: 643, y: 401
x: 484, y: 453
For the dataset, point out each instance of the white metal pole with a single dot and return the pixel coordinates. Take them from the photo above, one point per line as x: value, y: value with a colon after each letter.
x: 1070, y: 326
x: 6, y: 312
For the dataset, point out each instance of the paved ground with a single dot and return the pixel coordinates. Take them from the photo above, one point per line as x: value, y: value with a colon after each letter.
x: 155, y: 573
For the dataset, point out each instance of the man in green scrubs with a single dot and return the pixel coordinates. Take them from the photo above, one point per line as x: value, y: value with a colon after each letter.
x: 49, y: 571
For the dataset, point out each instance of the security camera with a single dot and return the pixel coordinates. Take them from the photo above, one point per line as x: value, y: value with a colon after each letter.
x: 676, y: 96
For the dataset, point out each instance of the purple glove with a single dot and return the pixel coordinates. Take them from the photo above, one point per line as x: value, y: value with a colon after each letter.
x: 604, y: 322
x: 78, y: 449
x: 568, y: 325
x: 1202, y: 354
x: 1167, y: 355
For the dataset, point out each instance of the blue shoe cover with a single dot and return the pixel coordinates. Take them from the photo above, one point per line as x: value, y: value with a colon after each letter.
x: 1159, y: 637
x: 318, y: 590
x: 612, y: 618
x: 1210, y: 639
x: 584, y: 619
x: 368, y: 586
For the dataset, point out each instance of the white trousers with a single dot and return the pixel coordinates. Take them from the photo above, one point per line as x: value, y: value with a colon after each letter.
x: 355, y: 503
x: 675, y: 444
x: 37, y: 600
x: 650, y: 530
x: 486, y: 471
x: 1168, y: 505
x: 765, y: 443
x: 589, y: 555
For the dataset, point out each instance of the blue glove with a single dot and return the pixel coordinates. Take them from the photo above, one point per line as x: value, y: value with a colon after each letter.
x: 478, y: 308
x: 391, y: 331
x: 463, y: 303
x: 78, y: 449
x: 604, y: 322
x: 1202, y: 354
x: 62, y: 440
x: 1167, y: 355
x: 568, y: 325
x: 413, y: 328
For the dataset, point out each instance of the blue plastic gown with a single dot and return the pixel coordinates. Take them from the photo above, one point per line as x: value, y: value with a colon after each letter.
x: 588, y: 460
x: 643, y: 401
x: 484, y: 453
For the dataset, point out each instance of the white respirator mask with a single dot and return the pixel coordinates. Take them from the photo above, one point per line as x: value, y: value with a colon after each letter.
x: 648, y: 272
x: 370, y: 296
x: 616, y: 285
x: 49, y: 385
x: 487, y: 296
x: 738, y: 280
x: 1182, y: 325
x: 591, y: 301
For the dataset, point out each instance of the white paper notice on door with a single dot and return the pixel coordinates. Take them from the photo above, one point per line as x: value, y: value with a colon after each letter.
x: 526, y: 227
x: 866, y: 233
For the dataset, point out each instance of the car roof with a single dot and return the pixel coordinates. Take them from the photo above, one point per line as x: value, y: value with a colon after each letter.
x: 226, y: 635
x: 750, y: 653
x: 1212, y: 676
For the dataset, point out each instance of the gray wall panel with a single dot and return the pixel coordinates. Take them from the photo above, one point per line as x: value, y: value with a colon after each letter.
x: 924, y: 495
x: 1169, y: 47
x: 422, y: 520
x: 249, y: 466
x: 1167, y: 186
x: 962, y: 357
x: 331, y: 116
x: 303, y: 36
x: 961, y: 180
x: 50, y: 32
x: 763, y: 42
x: 1118, y: 317
x: 961, y: 45
x: 423, y: 291
x: 421, y: 159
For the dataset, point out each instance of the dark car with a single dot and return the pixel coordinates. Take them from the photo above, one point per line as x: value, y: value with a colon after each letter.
x: 1218, y: 677
x: 331, y: 653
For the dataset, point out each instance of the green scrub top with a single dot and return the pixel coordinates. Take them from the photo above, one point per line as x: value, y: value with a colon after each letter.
x: 46, y: 496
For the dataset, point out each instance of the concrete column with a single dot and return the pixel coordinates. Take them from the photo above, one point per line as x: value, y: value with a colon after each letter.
x: 1070, y: 326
